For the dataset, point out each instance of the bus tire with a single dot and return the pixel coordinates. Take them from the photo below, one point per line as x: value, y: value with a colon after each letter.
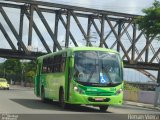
x: 43, y: 99
x: 103, y: 108
x: 62, y: 99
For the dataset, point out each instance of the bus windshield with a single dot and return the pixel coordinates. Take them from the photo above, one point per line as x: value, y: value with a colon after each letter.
x: 97, y: 68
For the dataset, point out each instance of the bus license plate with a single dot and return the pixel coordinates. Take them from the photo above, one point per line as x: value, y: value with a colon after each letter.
x: 99, y: 99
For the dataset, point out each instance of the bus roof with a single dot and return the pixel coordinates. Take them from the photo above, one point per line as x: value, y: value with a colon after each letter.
x: 78, y: 49
x: 93, y: 48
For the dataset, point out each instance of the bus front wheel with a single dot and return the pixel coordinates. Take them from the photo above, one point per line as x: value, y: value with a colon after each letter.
x: 61, y: 99
x: 103, y: 108
x: 43, y: 95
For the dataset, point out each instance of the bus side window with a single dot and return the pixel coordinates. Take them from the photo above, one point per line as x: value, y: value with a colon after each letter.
x: 46, y: 66
x: 54, y: 64
x: 62, y: 63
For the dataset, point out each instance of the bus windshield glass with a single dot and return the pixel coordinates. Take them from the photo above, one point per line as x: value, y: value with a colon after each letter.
x: 97, y: 68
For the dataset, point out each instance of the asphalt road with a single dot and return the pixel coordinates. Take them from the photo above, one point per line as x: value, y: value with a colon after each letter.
x: 22, y: 101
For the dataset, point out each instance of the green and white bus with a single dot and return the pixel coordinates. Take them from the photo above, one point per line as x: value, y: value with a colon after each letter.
x: 81, y: 75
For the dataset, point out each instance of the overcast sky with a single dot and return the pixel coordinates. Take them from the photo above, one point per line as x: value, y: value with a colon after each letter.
x: 126, y: 6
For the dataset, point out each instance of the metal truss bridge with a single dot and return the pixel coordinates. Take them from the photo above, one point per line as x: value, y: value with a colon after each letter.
x: 30, y: 28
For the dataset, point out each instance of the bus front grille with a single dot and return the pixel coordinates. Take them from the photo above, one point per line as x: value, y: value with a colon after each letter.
x: 91, y: 93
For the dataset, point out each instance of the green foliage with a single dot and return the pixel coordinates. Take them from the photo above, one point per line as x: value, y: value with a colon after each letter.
x: 150, y: 22
x: 12, y: 69
x: 1, y: 70
x: 30, y: 75
x: 18, y: 70
x: 29, y: 71
x: 127, y: 86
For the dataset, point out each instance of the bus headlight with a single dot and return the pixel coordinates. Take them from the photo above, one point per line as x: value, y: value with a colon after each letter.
x: 79, y: 90
x: 75, y: 88
x: 119, y: 91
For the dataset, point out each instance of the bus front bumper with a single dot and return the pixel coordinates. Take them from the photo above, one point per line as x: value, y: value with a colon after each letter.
x: 96, y: 100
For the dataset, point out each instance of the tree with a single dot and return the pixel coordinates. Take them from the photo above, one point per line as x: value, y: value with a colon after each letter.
x: 13, y: 69
x: 30, y: 76
x: 150, y: 22
x: 18, y: 70
x: 30, y: 68
x: 2, y: 70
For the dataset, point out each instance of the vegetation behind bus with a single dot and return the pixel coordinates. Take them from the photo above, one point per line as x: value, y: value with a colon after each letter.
x: 128, y: 86
x: 16, y: 70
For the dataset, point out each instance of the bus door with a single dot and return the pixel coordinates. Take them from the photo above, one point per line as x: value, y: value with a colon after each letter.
x: 69, y: 76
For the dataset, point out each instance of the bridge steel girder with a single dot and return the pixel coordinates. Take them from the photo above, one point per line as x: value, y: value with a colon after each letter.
x: 110, y: 27
x: 142, y: 65
x: 21, y: 26
x: 39, y: 34
x: 48, y: 28
x: 7, y: 37
x: 31, y: 7
x: 71, y: 36
x: 67, y: 29
x: 8, y: 53
x: 6, y: 18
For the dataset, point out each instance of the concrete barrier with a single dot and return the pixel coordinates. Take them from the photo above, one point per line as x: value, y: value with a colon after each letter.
x: 157, y: 97
x: 147, y: 97
x: 131, y: 95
